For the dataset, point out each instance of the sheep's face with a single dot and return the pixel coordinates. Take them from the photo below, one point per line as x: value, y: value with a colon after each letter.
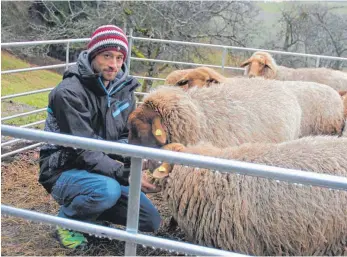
x: 199, y: 78
x: 146, y: 129
x: 258, y: 65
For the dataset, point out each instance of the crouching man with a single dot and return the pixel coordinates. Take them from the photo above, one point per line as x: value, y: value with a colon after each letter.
x: 93, y: 100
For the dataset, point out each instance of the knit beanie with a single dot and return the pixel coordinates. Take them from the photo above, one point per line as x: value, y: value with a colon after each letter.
x: 108, y: 37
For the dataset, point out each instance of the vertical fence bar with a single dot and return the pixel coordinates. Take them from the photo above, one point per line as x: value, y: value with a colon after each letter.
x: 317, y: 62
x: 67, y: 55
x: 225, y: 51
x: 129, y: 48
x: 133, y: 203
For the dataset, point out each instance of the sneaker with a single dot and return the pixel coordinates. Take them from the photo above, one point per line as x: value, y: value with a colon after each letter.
x: 71, y: 239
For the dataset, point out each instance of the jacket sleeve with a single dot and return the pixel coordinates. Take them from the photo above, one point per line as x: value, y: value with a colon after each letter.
x: 73, y: 118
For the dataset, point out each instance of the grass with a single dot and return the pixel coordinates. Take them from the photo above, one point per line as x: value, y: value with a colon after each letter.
x: 24, y: 82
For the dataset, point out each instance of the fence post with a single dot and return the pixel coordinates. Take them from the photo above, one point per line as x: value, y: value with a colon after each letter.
x: 67, y: 55
x: 133, y: 203
x: 129, y: 48
x: 225, y: 51
x: 317, y: 62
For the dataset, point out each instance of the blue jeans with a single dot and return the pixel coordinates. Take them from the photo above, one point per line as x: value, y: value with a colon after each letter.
x: 90, y: 197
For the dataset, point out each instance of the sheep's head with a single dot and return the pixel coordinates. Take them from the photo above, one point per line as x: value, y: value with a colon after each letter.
x: 146, y: 128
x: 260, y: 64
x: 200, y: 77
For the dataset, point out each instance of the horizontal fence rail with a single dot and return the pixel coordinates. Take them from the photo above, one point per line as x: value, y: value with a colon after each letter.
x: 23, y: 114
x: 27, y: 93
x: 112, y: 233
x: 221, y: 165
x: 239, y: 48
x: 186, y: 63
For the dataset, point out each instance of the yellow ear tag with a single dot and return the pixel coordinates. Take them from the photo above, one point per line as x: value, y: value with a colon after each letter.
x: 161, y: 169
x: 158, y: 132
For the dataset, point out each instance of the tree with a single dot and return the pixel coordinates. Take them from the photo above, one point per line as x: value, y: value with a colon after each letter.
x: 220, y: 22
x: 312, y: 28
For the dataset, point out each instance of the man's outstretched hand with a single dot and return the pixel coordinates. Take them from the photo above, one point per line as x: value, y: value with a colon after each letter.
x: 146, y: 186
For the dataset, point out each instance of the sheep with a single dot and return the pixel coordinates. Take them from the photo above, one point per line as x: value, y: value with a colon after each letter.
x: 262, y: 64
x: 236, y: 113
x: 259, y: 216
x: 175, y: 76
x: 200, y: 77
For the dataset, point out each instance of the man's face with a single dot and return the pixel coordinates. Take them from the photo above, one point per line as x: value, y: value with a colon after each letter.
x: 108, y: 63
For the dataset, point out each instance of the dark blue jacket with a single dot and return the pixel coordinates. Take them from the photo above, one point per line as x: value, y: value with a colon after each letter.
x: 81, y: 105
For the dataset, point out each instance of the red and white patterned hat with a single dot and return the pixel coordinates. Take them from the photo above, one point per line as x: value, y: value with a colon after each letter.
x: 108, y: 37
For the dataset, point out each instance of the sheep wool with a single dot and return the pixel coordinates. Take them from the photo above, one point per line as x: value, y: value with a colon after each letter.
x: 259, y: 216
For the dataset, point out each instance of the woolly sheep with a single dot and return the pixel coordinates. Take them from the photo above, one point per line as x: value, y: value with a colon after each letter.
x: 262, y: 64
x: 259, y: 216
x: 235, y: 113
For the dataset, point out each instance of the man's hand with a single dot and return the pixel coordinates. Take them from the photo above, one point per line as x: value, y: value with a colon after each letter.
x: 147, y: 187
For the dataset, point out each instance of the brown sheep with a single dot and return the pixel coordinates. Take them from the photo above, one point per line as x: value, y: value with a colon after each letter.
x: 258, y: 216
x: 236, y: 112
x: 262, y: 64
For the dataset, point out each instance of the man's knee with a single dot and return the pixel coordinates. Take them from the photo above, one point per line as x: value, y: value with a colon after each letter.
x: 106, y: 194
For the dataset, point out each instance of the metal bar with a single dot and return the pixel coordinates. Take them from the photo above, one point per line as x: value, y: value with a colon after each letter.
x: 27, y: 93
x: 129, y: 48
x: 236, y: 48
x: 142, y: 77
x: 224, y: 165
x: 55, y: 66
x: 112, y: 233
x: 21, y: 150
x: 33, y: 124
x: 16, y: 44
x: 23, y: 114
x: 141, y: 93
x: 185, y: 63
x: 44, y: 42
x: 11, y: 142
x: 23, y: 126
x: 67, y: 55
x: 317, y: 62
x: 133, y: 203
x: 225, y: 51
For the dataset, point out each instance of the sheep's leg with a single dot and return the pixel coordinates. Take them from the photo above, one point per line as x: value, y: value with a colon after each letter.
x: 163, y: 170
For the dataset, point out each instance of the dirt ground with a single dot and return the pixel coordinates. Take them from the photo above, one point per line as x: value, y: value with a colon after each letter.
x: 20, y: 188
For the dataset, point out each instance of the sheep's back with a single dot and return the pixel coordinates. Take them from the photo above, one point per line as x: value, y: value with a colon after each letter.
x: 274, y: 218
x: 332, y: 78
x: 322, y: 107
x: 235, y: 113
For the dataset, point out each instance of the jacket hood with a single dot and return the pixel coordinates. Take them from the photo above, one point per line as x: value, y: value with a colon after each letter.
x: 83, y: 70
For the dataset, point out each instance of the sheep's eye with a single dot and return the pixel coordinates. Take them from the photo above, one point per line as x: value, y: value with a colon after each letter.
x: 182, y: 82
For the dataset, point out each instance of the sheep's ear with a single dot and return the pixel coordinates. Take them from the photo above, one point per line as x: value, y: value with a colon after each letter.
x: 246, y: 63
x: 158, y: 130
x: 269, y: 65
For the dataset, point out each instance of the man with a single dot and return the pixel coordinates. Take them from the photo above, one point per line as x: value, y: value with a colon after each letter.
x: 94, y: 100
